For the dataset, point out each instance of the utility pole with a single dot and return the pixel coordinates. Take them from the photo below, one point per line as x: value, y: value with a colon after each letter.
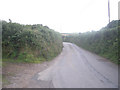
x: 109, y: 10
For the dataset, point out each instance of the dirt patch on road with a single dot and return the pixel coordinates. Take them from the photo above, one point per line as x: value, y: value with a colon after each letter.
x: 19, y: 75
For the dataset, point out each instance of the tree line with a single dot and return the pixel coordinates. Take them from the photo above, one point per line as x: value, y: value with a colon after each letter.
x: 105, y: 42
x: 29, y: 43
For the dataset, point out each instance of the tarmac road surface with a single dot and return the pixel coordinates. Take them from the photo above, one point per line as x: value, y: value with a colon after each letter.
x: 78, y: 68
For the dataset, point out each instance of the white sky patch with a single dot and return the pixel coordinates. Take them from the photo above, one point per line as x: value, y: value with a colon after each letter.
x: 65, y: 16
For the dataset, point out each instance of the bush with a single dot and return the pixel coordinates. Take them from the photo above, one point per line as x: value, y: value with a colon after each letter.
x: 103, y: 42
x: 29, y: 41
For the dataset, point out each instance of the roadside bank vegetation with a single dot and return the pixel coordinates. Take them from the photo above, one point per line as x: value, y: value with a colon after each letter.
x: 105, y: 42
x: 29, y: 43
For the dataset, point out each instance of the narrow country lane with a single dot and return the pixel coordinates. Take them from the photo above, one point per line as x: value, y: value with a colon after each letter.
x: 78, y: 68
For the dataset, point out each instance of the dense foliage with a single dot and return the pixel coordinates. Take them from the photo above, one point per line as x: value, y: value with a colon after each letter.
x: 103, y: 42
x: 29, y: 42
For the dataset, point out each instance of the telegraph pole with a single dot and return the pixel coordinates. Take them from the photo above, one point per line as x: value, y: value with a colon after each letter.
x: 109, y: 10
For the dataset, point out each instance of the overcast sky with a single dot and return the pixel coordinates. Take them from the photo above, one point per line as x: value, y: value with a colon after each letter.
x: 65, y: 16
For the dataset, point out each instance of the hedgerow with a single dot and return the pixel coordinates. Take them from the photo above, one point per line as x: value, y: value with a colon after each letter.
x: 29, y: 43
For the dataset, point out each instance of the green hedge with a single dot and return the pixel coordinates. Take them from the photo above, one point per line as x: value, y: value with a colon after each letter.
x: 103, y: 42
x: 29, y: 42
